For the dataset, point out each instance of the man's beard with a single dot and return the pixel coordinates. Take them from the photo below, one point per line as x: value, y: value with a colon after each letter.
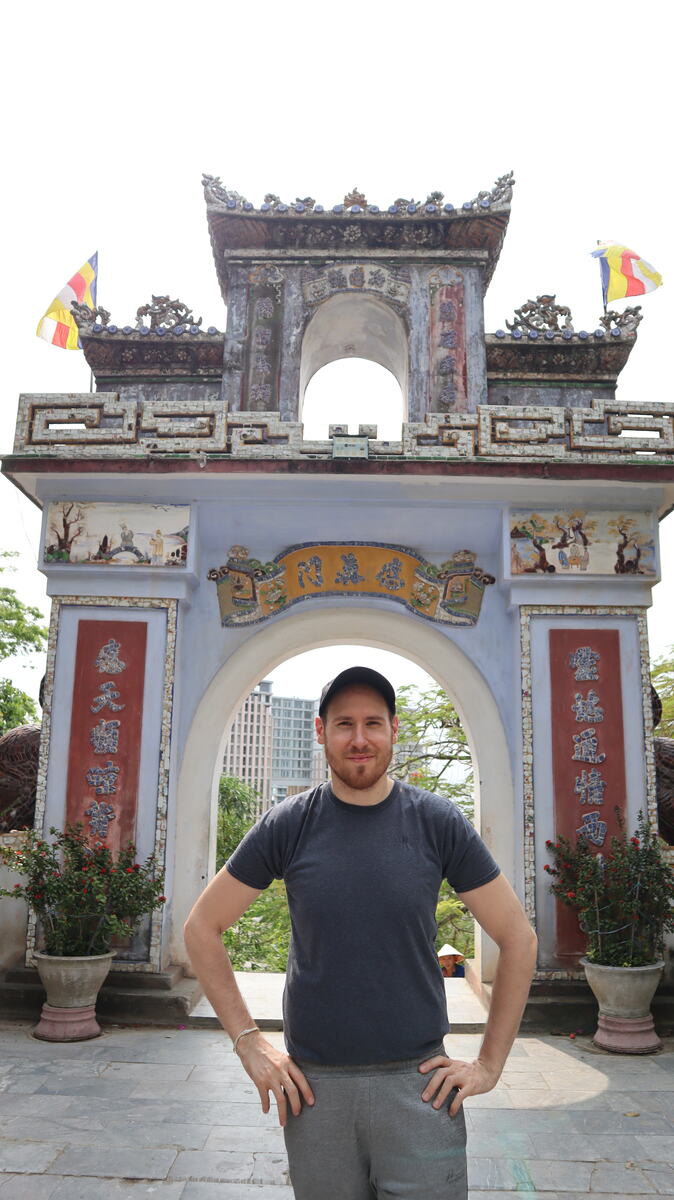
x: 359, y: 775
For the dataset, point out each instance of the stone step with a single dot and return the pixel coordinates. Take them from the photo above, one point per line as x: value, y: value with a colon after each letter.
x: 160, y: 980
x: 140, y: 1002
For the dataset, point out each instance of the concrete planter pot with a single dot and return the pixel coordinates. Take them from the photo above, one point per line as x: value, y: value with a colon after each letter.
x: 72, y: 985
x: 624, y: 996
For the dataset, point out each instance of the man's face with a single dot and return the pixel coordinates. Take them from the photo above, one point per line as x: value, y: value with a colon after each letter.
x: 358, y: 733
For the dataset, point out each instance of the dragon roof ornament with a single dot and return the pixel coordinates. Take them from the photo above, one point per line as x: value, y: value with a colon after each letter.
x: 542, y: 314
x: 165, y: 316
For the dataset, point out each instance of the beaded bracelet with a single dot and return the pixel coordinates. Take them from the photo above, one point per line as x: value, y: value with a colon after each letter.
x: 237, y: 1039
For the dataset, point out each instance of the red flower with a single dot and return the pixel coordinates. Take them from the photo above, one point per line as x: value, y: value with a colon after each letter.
x: 570, y: 895
x: 129, y: 870
x: 546, y: 867
x: 136, y: 866
x: 17, y: 885
x: 161, y: 899
x: 634, y: 841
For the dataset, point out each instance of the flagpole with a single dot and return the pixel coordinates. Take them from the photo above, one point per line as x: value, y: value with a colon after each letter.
x: 603, y: 290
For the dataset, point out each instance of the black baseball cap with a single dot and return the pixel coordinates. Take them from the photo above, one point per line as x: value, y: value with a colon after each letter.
x: 354, y: 675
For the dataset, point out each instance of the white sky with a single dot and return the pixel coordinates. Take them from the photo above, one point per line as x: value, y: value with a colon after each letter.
x: 112, y: 115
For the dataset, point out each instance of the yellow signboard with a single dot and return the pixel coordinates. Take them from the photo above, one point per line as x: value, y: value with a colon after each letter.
x: 250, y: 590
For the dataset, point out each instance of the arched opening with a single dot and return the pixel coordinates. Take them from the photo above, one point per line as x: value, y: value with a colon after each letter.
x: 353, y: 392
x: 273, y: 754
x: 355, y: 325
x: 314, y: 627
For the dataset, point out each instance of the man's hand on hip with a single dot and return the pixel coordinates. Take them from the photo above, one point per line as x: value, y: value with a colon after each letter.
x: 273, y: 1071
x: 470, y: 1079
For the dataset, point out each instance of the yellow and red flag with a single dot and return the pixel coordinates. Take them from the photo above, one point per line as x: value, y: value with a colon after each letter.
x: 624, y: 273
x: 58, y: 324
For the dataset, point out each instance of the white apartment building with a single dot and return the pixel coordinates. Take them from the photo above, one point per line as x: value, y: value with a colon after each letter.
x: 249, y: 752
x: 272, y: 745
x: 295, y: 764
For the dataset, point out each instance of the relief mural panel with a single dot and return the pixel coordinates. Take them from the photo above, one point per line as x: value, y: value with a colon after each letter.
x: 579, y: 541
x: 250, y: 590
x: 144, y: 535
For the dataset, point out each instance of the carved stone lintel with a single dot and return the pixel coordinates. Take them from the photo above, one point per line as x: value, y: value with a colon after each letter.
x: 165, y: 313
x: 542, y: 314
x: 626, y: 321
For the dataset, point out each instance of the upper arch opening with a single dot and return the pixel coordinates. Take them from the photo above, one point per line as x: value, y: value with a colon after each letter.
x: 355, y: 326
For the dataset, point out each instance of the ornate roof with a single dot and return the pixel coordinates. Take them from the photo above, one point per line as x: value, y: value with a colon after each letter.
x: 167, y: 341
x: 542, y: 343
x: 405, y: 227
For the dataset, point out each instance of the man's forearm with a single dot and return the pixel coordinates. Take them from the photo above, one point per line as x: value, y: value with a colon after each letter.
x: 514, y: 971
x: 214, y: 972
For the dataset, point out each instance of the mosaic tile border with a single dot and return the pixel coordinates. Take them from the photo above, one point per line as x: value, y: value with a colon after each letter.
x: 111, y: 425
x: 115, y: 602
x: 526, y: 613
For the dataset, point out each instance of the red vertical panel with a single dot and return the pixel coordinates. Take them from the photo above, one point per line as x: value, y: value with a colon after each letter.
x: 105, y: 731
x: 448, y: 347
x: 588, y: 750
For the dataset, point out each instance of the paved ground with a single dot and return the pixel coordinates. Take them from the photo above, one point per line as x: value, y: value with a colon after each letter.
x: 170, y: 1114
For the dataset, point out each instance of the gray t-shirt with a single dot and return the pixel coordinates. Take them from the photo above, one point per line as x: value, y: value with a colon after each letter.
x: 363, y: 983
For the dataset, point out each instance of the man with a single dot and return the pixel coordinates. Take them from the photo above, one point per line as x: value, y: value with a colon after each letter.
x: 370, y: 1103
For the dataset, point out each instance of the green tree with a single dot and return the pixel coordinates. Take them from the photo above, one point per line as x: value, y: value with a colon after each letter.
x: 662, y: 678
x: 432, y: 749
x: 16, y: 707
x: 434, y: 755
x: 20, y: 633
x: 260, y: 939
x: 237, y: 810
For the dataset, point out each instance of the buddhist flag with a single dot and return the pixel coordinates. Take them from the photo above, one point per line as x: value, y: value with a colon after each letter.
x: 58, y: 324
x: 623, y: 273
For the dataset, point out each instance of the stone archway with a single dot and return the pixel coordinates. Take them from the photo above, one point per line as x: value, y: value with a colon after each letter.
x: 298, y: 632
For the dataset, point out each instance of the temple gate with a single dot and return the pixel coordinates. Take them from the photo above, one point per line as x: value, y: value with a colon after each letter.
x: 192, y: 539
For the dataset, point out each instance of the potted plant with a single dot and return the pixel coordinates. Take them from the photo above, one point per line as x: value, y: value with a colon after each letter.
x: 624, y: 903
x: 83, y: 897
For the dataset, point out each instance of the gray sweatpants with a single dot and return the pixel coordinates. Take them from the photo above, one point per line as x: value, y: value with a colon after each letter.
x: 370, y: 1134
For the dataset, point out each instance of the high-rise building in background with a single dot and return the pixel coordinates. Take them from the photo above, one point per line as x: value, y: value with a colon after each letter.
x: 272, y: 745
x: 296, y: 765
x: 249, y: 751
